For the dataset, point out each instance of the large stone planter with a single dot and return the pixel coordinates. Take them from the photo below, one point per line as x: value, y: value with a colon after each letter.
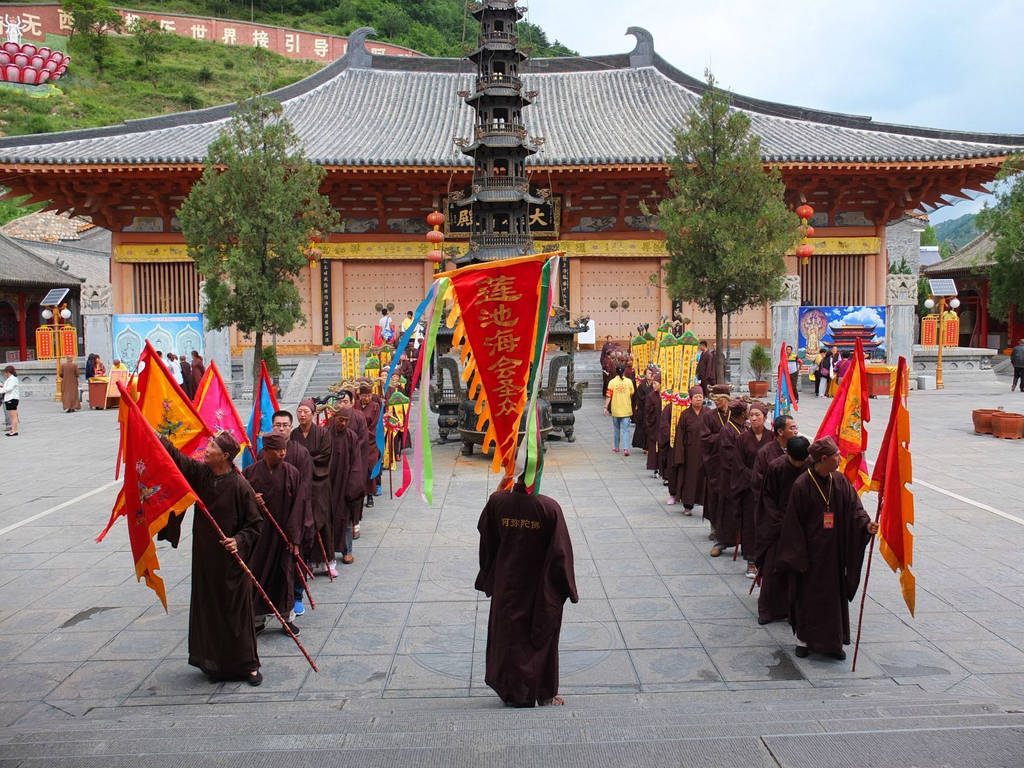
x: 983, y: 420
x: 1009, y: 426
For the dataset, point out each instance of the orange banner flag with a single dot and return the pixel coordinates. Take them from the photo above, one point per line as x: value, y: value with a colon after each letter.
x: 845, y: 419
x: 498, y: 306
x: 167, y: 409
x: 154, y: 489
x: 893, y: 471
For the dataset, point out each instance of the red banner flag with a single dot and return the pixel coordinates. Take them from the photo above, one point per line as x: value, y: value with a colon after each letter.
x: 154, y: 488
x: 844, y: 421
x: 167, y: 409
x: 893, y: 471
x: 215, y: 407
x: 499, y: 304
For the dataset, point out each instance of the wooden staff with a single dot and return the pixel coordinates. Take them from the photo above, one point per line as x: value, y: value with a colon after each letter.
x: 754, y: 582
x: 739, y: 535
x: 256, y: 583
x: 323, y: 551
x: 864, y: 591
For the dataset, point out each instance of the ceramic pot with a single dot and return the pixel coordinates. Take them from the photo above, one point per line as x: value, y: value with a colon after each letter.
x: 758, y: 389
x: 1009, y: 426
x: 983, y: 420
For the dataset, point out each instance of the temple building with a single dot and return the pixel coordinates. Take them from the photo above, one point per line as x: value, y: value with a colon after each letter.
x: 391, y: 130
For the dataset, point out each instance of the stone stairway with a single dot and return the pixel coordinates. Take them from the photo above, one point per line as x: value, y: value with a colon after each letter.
x: 328, y: 371
x: 800, y: 727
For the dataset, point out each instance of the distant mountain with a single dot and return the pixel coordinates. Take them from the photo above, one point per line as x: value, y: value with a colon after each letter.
x: 957, y: 232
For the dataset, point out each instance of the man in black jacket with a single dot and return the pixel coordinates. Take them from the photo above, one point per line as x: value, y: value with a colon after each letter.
x: 1017, y: 361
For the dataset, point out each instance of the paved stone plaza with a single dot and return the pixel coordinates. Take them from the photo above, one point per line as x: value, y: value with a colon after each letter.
x: 660, y: 625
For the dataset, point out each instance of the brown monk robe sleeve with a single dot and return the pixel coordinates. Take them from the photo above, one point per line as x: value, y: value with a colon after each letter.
x: 197, y: 475
x: 558, y: 579
x: 490, y: 542
x: 249, y: 521
x: 299, y: 458
x: 791, y: 554
x: 856, y: 537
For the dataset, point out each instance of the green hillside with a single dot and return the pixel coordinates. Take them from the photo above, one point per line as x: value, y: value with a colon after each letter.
x: 957, y: 232
x: 434, y: 27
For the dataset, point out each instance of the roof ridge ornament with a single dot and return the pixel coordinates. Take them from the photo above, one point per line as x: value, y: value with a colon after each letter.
x: 643, y: 54
x: 356, y: 53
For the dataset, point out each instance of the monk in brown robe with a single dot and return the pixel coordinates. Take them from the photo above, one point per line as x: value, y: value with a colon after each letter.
x: 298, y: 457
x: 687, y: 455
x: 652, y: 416
x: 526, y: 568
x: 728, y: 525
x: 772, y: 499
x: 665, y: 437
x: 186, y: 377
x: 750, y: 444
x: 640, y: 394
x: 369, y: 408
x: 348, y: 479
x: 221, y: 632
x: 278, y: 486
x: 713, y: 421
x: 198, y: 369
x: 347, y: 399
x: 707, y: 371
x: 824, y: 535
x: 69, y: 394
x: 783, y: 429
x: 318, y: 443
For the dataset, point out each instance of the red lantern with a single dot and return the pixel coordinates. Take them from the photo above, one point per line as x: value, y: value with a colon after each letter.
x: 436, y: 256
x: 435, y: 219
x: 434, y: 236
x: 804, y: 252
x: 808, y: 230
x: 805, y: 211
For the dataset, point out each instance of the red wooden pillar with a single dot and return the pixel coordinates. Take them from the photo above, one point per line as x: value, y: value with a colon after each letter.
x: 983, y: 314
x: 22, y: 328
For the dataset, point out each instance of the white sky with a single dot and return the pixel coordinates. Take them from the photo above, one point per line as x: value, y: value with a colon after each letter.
x: 947, y: 64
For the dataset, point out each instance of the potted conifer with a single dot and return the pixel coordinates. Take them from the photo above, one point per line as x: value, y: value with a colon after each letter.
x: 760, y: 363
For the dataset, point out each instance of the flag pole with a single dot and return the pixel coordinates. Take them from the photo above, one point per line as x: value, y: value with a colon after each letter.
x: 303, y: 568
x: 323, y: 551
x: 864, y: 591
x: 256, y: 583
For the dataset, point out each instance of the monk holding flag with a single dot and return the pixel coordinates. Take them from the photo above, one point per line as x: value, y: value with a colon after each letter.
x: 822, y: 542
x: 221, y: 632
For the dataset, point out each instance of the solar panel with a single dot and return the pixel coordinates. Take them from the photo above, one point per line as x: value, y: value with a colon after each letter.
x: 54, y: 297
x: 942, y: 287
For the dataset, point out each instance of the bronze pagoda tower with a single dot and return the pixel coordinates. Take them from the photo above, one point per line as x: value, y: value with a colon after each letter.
x: 500, y: 192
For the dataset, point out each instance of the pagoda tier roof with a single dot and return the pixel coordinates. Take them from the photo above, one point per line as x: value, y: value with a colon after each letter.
x: 974, y: 258
x: 366, y: 110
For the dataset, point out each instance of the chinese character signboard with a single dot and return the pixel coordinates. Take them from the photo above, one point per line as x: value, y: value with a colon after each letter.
x: 544, y: 219
x: 45, y: 343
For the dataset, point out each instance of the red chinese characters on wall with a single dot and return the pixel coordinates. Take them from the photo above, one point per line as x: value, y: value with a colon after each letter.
x: 42, y: 20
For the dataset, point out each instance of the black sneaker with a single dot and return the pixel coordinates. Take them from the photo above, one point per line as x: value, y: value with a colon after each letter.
x: 293, y: 628
x: 369, y: 501
x: 256, y: 679
x: 261, y: 628
x: 801, y: 652
x: 839, y: 655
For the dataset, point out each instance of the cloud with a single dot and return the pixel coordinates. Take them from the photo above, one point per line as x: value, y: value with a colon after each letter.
x: 888, y: 60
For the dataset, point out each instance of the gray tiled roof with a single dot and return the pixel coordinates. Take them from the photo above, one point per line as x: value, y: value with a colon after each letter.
x: 977, y: 256
x: 19, y: 266
x: 620, y: 109
x: 82, y: 263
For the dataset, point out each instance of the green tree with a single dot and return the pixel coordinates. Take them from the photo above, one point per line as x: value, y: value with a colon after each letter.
x: 95, y: 20
x: 249, y: 220
x: 929, y: 236
x: 726, y: 223
x: 1005, y: 220
x: 149, y: 40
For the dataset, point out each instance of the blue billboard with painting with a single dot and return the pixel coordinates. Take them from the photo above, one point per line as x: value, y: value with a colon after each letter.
x: 177, y: 333
x: 841, y: 327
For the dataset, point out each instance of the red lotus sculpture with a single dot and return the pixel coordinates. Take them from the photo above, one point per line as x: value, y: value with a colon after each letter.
x: 24, y: 62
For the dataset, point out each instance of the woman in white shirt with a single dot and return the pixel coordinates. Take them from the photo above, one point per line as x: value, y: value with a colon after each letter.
x: 11, y: 395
